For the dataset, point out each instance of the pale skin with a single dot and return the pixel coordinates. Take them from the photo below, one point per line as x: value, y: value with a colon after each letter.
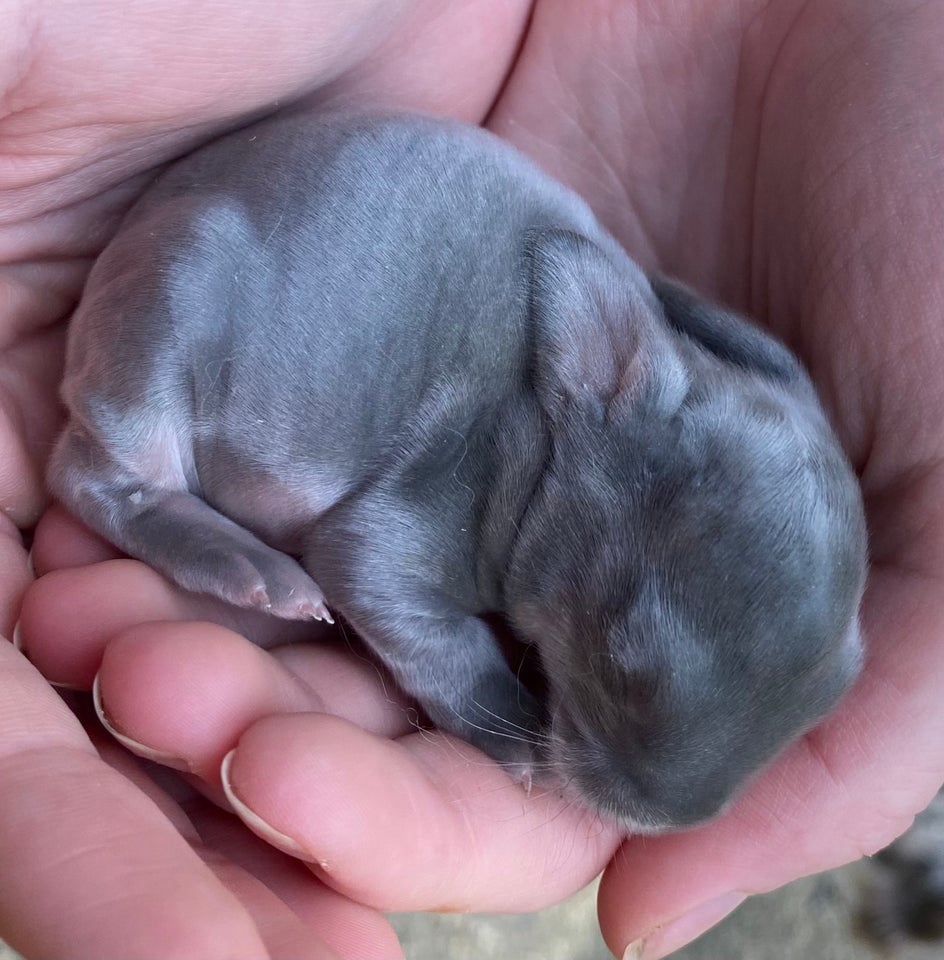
x: 785, y: 156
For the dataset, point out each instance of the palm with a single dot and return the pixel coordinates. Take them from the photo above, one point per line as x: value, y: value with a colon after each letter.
x: 732, y: 144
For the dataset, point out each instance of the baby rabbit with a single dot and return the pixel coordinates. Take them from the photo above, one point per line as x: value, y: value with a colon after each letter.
x: 383, y: 362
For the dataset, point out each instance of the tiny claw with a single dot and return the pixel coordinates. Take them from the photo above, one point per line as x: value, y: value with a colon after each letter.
x: 527, y: 782
x: 522, y: 774
x: 260, y: 598
x: 321, y: 613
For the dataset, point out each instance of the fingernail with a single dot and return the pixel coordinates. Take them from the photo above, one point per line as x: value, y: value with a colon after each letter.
x: 18, y: 638
x: 140, y: 749
x: 672, y: 936
x: 259, y: 826
x: 59, y: 685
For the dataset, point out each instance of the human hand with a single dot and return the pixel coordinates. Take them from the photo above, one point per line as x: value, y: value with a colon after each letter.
x: 633, y: 108
x: 113, y: 858
x: 788, y: 158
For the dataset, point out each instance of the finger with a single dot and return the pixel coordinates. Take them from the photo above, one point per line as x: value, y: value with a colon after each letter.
x: 183, y: 693
x: 71, y: 824
x: 29, y: 415
x: 169, y: 793
x: 69, y: 615
x: 224, y: 844
x: 423, y: 823
x: 15, y: 576
x: 281, y: 929
x: 61, y: 541
x: 845, y: 790
x: 349, y: 929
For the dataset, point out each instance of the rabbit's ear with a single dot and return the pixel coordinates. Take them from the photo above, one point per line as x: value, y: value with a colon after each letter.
x: 725, y: 334
x: 587, y: 313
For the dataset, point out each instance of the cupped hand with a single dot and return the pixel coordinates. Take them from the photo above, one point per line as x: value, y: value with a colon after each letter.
x: 111, y: 860
x: 786, y: 157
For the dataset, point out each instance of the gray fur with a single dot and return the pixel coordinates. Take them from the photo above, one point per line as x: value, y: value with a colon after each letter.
x: 392, y: 348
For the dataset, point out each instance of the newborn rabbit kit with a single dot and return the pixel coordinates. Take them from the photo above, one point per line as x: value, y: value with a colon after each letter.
x: 383, y: 365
